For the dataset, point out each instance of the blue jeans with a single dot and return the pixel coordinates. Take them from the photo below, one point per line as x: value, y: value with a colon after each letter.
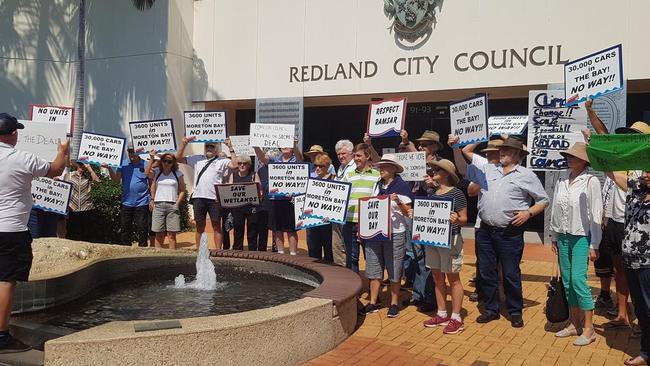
x: 423, y: 284
x: 351, y: 246
x: 639, y: 282
x: 319, y: 242
x: 498, y: 247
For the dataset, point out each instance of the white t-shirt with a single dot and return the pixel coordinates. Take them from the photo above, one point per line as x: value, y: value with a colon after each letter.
x: 214, y: 174
x: 614, y: 201
x: 19, y: 169
x: 166, y: 186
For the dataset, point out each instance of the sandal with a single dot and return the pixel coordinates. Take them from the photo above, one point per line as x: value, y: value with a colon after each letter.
x: 636, y: 332
x: 616, y: 324
x: 566, y: 332
x: 583, y: 340
x: 636, y: 361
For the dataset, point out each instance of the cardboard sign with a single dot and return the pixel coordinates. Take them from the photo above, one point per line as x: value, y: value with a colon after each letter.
x: 611, y: 153
x: 302, y: 221
x: 271, y: 135
x: 431, y: 225
x: 386, y: 118
x: 205, y: 126
x: 154, y: 134
x: 593, y: 75
x: 374, y: 218
x: 101, y: 149
x: 238, y: 194
x: 414, y: 164
x: 469, y: 119
x: 51, y: 195
x: 241, y: 145
x: 508, y: 125
x: 287, y: 179
x: 327, y: 199
x: 52, y: 113
x: 41, y: 138
x: 552, y: 128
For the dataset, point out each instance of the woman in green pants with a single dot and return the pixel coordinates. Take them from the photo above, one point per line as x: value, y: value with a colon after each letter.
x: 575, y: 224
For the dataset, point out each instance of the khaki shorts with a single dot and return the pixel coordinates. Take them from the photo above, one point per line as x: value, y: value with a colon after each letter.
x: 165, y: 217
x: 446, y: 260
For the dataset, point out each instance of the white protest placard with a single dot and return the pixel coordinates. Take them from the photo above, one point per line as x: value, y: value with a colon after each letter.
x: 242, y: 145
x: 469, y: 119
x: 431, y: 225
x: 41, y: 138
x: 374, y: 218
x: 327, y: 199
x: 101, y: 149
x: 386, y: 118
x: 238, y: 194
x: 507, y: 125
x: 205, y: 126
x: 53, y: 113
x: 155, y: 134
x: 552, y: 128
x: 271, y: 135
x: 593, y: 75
x: 302, y: 221
x: 414, y: 164
x: 287, y: 179
x: 51, y: 195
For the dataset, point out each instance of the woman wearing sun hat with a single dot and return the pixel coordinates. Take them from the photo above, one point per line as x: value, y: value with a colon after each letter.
x: 576, y: 216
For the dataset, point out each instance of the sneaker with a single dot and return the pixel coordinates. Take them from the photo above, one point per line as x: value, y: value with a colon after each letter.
x: 13, y: 345
x: 603, y: 302
x: 436, y: 321
x: 369, y: 309
x: 393, y: 311
x: 454, y: 327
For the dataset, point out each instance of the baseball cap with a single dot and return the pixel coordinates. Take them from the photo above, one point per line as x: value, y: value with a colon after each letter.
x: 9, y: 124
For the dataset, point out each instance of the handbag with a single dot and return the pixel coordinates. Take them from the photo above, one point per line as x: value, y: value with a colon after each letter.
x: 557, y: 307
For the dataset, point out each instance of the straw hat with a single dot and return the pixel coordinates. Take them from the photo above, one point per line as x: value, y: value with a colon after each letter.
x: 431, y: 136
x: 578, y: 150
x: 514, y: 143
x: 447, y: 166
x: 493, y: 145
x: 390, y: 159
x: 637, y: 127
x: 314, y: 149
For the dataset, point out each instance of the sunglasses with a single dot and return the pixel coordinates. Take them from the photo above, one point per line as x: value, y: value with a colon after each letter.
x: 320, y: 166
x: 168, y: 161
x: 210, y: 146
x: 432, y: 171
x: 242, y: 163
x: 425, y: 144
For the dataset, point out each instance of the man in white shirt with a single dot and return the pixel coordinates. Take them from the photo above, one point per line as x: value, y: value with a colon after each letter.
x: 344, y: 153
x: 209, y: 169
x: 19, y: 169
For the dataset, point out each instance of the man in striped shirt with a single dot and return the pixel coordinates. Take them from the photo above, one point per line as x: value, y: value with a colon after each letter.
x: 363, y: 179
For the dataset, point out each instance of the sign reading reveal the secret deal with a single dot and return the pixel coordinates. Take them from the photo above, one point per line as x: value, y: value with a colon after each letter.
x: 327, y: 199
x: 205, y: 126
x: 287, y: 179
x: 431, y: 225
x: 386, y: 118
x: 374, y: 218
x: 414, y: 164
x: 51, y: 195
x: 271, y: 135
x: 302, y: 221
x: 155, y: 134
x: 51, y: 113
x: 593, y: 75
x: 469, y: 119
x: 101, y: 149
x: 41, y: 138
x: 238, y: 194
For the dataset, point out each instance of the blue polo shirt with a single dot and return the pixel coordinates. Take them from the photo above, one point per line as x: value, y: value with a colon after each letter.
x: 135, y: 184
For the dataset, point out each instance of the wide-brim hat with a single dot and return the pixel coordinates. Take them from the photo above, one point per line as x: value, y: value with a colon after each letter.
x: 390, y: 159
x: 431, y: 136
x: 637, y: 127
x: 447, y: 166
x: 493, y: 145
x: 578, y: 150
x: 314, y: 149
x: 515, y: 144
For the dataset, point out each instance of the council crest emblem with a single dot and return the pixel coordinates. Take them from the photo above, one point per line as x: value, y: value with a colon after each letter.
x: 412, y: 19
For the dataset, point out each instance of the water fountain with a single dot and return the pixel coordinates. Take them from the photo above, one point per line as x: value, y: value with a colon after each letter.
x: 206, y: 278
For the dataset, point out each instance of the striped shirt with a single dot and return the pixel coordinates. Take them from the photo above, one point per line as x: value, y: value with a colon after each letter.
x: 363, y: 184
x: 80, y: 198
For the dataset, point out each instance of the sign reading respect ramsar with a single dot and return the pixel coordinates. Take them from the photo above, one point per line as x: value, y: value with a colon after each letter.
x: 431, y: 225
x: 271, y: 135
x: 238, y: 194
x: 51, y: 113
x: 386, y: 118
x: 287, y: 179
x: 610, y: 153
x: 374, y: 218
x: 302, y: 221
x: 469, y: 119
x: 593, y: 75
x: 205, y: 126
x: 51, y: 195
x: 101, y: 149
x: 156, y: 134
x: 327, y: 200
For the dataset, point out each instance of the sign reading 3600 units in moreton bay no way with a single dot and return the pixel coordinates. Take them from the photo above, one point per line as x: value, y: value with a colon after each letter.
x: 153, y: 135
x: 205, y: 126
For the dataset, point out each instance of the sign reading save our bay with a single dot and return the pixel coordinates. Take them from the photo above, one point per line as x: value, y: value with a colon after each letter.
x: 238, y: 194
x: 386, y: 118
x: 287, y: 180
x: 51, y: 195
x: 431, y: 225
x: 374, y: 218
x: 469, y: 120
x: 205, y: 126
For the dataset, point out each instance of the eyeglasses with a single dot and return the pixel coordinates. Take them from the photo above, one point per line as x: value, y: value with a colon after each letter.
x: 242, y: 163
x: 432, y: 171
x: 210, y: 146
x: 168, y: 161
x: 320, y: 166
x: 425, y: 144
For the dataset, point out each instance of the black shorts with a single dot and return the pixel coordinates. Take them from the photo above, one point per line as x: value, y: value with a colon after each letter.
x: 613, y: 236
x: 204, y: 206
x: 15, y: 256
x: 281, y: 217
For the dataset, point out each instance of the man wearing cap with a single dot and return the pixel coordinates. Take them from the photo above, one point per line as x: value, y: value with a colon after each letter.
x: 504, y: 208
x: 19, y: 169
x: 313, y: 152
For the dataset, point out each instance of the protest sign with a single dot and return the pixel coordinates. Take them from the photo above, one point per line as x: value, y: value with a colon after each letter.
x: 414, y: 164
x: 52, y: 113
x: 271, y: 135
x: 51, y: 195
x: 610, y: 153
x: 241, y: 145
x: 386, y: 118
x: 205, y: 126
x: 238, y: 194
x: 469, y: 119
x: 507, y: 125
x: 327, y: 199
x: 302, y: 221
x: 101, y: 149
x: 155, y: 134
x: 287, y: 179
x: 552, y: 128
x: 431, y: 225
x: 41, y: 138
x: 593, y: 75
x: 374, y: 218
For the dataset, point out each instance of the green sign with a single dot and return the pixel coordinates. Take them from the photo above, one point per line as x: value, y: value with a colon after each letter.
x: 619, y: 152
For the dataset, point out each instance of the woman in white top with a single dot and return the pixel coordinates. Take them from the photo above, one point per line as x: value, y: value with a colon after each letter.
x: 576, y: 216
x: 167, y: 192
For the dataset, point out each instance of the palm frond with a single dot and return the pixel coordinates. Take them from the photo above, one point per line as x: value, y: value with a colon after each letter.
x: 143, y: 4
